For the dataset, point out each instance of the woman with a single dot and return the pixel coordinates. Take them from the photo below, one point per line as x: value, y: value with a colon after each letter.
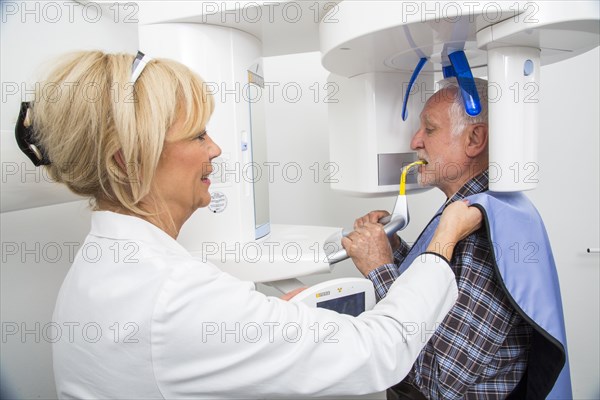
x: 157, y: 323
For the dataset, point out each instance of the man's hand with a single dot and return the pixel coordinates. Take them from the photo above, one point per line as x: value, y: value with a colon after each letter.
x: 374, y: 217
x: 368, y: 246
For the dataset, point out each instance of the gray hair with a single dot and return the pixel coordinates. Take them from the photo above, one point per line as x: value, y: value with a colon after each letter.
x: 458, y: 116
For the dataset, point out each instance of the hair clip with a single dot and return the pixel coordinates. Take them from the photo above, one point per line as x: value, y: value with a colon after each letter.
x: 140, y: 62
x: 24, y: 133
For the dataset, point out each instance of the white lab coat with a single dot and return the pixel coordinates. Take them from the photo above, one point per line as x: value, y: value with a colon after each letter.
x: 141, y: 318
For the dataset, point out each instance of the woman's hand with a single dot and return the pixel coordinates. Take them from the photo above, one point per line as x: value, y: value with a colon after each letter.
x: 291, y: 294
x: 461, y: 219
x: 458, y: 221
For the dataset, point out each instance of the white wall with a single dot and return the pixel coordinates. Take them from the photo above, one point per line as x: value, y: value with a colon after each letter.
x: 568, y: 199
x: 37, y: 244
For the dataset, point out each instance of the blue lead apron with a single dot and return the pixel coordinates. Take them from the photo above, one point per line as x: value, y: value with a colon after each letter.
x: 524, y: 262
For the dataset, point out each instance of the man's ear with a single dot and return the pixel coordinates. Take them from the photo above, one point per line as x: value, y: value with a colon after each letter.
x: 476, y: 140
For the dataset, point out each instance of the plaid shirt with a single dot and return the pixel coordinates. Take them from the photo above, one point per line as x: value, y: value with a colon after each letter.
x: 480, y: 350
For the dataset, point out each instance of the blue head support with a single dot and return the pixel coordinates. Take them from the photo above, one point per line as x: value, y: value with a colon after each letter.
x: 413, y: 78
x: 459, y: 67
x: 455, y: 65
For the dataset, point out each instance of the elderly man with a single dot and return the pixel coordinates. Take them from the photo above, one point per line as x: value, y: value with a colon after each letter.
x: 482, y: 349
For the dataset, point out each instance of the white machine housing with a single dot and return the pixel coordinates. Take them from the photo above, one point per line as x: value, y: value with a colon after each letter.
x: 222, y: 57
x: 511, y: 39
x: 366, y: 37
x: 368, y: 140
x: 350, y: 296
x: 371, y: 49
x: 235, y: 229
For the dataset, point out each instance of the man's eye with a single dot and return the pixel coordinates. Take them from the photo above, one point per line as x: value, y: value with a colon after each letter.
x: 428, y: 130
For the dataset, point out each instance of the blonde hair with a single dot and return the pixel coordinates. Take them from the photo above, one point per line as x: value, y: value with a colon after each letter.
x: 87, y: 116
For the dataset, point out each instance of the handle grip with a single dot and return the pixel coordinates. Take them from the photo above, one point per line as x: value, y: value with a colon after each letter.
x: 333, y: 245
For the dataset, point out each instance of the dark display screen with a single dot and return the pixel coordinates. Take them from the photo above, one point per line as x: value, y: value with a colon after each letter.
x: 353, y: 304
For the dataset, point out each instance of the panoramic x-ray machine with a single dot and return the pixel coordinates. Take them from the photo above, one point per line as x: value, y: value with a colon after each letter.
x: 382, y: 56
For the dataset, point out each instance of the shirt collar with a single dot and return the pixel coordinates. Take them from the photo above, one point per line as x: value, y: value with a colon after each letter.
x: 477, y: 184
x: 111, y: 225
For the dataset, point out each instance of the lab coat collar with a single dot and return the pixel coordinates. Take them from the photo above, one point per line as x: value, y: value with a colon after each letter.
x: 111, y: 225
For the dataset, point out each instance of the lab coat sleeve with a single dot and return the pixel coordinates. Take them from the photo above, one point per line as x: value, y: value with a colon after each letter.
x: 214, y: 336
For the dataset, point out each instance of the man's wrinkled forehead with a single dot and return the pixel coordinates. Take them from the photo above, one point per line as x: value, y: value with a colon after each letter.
x: 427, y: 118
x: 436, y: 104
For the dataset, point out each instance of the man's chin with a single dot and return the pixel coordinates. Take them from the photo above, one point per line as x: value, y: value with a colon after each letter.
x: 425, y: 182
x: 422, y: 182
